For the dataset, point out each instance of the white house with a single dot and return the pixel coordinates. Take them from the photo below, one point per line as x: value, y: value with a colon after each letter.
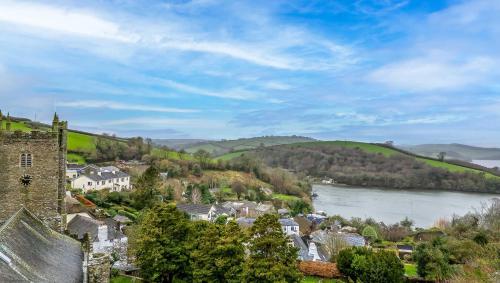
x: 289, y: 226
x: 73, y: 170
x: 198, y: 211
x: 98, y: 178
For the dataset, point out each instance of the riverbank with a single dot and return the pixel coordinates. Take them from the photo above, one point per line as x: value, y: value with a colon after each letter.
x: 424, y: 207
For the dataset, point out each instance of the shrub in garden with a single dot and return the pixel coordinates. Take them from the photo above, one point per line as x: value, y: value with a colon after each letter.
x: 361, y: 264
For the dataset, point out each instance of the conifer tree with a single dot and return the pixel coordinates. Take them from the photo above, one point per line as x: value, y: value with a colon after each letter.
x: 271, y: 257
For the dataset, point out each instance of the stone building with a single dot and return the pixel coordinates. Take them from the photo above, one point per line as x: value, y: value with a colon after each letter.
x: 32, y: 172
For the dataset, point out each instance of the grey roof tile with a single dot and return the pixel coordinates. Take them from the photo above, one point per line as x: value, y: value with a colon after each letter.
x: 31, y: 252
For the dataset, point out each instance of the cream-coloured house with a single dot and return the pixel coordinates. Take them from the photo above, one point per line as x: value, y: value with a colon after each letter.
x: 99, y: 178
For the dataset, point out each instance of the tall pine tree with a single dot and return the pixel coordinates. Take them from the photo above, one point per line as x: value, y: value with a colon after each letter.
x: 271, y: 257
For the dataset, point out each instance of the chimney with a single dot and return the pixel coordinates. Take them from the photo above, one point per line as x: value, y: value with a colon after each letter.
x: 99, y: 173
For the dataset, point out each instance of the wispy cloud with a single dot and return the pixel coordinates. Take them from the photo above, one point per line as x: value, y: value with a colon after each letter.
x: 121, y: 106
x: 166, y: 35
x: 430, y: 73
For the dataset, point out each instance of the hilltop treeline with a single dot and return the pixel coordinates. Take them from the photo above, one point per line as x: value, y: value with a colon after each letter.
x: 354, y: 166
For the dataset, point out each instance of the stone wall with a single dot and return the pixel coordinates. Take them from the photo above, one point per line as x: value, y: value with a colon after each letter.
x: 44, y: 196
x: 99, y: 268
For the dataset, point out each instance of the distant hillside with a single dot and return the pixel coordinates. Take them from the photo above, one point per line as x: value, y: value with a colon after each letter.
x: 178, y: 144
x: 455, y: 151
x: 81, y: 145
x: 378, y: 165
x: 217, y: 148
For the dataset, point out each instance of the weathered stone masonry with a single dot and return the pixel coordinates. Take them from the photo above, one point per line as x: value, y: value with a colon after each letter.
x: 37, y: 184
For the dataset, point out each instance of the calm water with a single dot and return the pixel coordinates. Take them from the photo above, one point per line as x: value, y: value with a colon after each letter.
x: 391, y: 206
x: 487, y: 163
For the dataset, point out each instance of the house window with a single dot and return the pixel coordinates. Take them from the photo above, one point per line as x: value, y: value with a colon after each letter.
x: 110, y: 181
x: 123, y: 179
x: 89, y: 183
x: 26, y: 160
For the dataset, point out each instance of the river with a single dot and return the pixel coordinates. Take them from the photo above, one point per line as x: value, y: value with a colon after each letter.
x: 391, y: 206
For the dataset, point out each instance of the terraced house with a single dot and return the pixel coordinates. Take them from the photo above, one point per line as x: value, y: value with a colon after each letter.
x: 93, y: 177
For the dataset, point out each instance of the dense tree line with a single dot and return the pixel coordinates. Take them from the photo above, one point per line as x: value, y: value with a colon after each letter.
x: 168, y: 247
x: 354, y: 166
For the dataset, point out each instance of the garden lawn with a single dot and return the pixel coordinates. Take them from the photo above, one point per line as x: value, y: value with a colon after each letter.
x: 410, y: 270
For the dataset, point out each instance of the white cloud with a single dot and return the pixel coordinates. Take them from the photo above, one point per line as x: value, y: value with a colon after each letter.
x: 235, y: 93
x: 172, y: 33
x: 277, y: 85
x: 428, y: 74
x: 63, y: 20
x: 155, y: 122
x: 121, y: 106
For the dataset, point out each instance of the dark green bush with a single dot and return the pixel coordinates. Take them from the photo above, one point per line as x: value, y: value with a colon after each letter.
x: 364, y: 265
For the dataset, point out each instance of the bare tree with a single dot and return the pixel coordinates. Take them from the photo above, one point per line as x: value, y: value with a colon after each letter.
x: 334, y: 243
x: 238, y: 188
x: 196, y: 196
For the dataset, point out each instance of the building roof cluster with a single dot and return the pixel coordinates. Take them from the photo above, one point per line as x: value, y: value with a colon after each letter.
x: 81, y: 225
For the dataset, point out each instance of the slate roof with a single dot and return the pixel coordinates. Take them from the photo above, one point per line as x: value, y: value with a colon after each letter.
x: 73, y: 166
x: 301, y: 245
x: 221, y: 210
x: 192, y: 208
x: 354, y: 239
x: 288, y: 222
x: 81, y: 225
x: 105, y: 175
x: 31, y: 252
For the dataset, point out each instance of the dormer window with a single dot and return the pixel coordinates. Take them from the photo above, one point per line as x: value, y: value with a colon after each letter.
x: 26, y: 160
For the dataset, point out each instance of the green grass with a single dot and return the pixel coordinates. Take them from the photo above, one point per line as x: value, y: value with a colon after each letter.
x: 16, y: 126
x: 231, y: 155
x: 124, y: 279
x: 80, y: 142
x: 371, y: 148
x: 174, y: 155
x: 453, y: 167
x: 75, y: 158
x: 313, y: 279
x: 410, y: 270
x: 285, y: 197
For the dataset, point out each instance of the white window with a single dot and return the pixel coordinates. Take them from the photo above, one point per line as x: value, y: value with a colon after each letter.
x: 26, y: 160
x: 89, y: 183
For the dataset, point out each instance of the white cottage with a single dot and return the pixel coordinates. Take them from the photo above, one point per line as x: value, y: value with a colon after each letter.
x: 98, y: 178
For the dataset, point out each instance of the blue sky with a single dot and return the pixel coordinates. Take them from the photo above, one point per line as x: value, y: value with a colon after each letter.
x: 408, y: 71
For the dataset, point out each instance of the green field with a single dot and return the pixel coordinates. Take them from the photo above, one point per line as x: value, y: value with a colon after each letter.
x: 80, y: 142
x: 16, y: 126
x: 217, y: 148
x: 229, y: 156
x: 285, y: 197
x: 75, y: 158
x: 158, y: 152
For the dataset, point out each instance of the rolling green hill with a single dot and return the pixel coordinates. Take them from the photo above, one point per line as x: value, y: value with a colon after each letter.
x: 79, y: 143
x: 217, y: 148
x: 455, y: 151
x: 386, y: 151
x: 374, y: 165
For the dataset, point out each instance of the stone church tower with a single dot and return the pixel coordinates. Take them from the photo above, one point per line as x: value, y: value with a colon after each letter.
x: 32, y: 172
